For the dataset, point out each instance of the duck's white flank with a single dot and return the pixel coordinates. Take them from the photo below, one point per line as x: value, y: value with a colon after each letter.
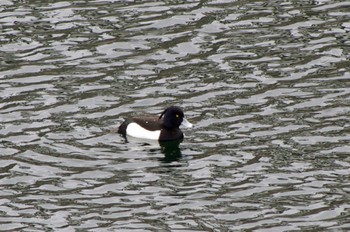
x: 137, y: 131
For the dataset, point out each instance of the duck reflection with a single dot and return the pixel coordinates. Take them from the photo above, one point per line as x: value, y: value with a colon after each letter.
x: 171, y: 151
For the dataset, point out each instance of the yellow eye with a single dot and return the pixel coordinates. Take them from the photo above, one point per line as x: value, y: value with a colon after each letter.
x: 177, y: 115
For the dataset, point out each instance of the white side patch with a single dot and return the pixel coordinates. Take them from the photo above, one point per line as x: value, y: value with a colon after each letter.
x: 137, y: 131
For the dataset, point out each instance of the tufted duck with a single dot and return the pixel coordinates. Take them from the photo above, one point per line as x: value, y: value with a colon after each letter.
x: 162, y: 128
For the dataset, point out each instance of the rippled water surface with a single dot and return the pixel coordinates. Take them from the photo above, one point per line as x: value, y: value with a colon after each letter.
x: 266, y: 84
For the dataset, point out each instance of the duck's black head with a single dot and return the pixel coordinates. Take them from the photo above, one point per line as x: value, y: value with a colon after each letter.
x: 173, y: 117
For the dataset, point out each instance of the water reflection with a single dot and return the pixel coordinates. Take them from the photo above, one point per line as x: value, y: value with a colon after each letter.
x: 266, y: 81
x: 171, y: 151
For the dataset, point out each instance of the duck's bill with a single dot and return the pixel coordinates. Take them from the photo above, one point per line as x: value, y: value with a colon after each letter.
x: 186, y: 123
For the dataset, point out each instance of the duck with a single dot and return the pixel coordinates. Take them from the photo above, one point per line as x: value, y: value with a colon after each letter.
x: 162, y: 128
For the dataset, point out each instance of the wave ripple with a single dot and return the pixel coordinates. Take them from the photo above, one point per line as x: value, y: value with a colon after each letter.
x: 264, y: 82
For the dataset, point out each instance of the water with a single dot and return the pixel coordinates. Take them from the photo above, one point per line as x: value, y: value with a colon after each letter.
x: 266, y: 84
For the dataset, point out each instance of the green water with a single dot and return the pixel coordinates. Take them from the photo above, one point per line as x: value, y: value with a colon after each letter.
x: 266, y: 84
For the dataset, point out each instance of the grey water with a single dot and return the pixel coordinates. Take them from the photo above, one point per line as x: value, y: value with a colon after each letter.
x: 266, y: 84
